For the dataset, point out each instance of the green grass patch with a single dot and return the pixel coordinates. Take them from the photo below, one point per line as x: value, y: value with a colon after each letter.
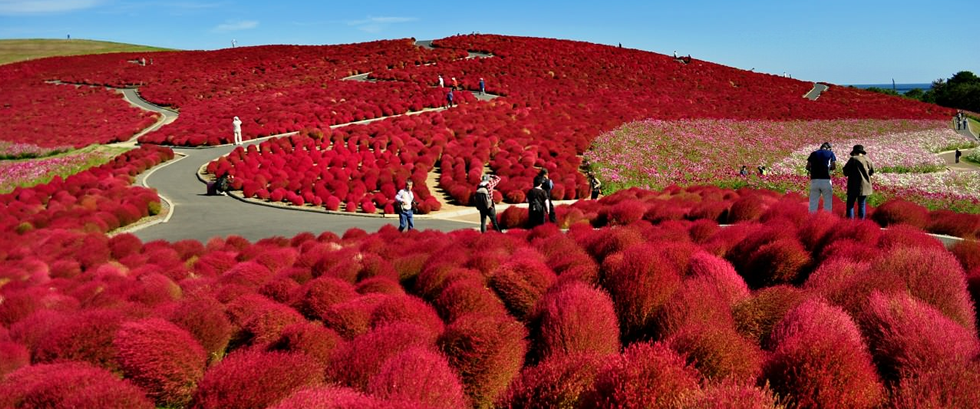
x: 28, y: 49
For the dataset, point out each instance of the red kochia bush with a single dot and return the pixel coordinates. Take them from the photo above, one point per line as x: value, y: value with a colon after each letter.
x: 521, y: 282
x: 640, y: 285
x: 315, y: 297
x: 85, y: 337
x: 898, y: 211
x: 778, y: 262
x: 721, y: 274
x: 363, y: 357
x: 645, y: 375
x: 162, y: 358
x: 559, y: 382
x: 717, y: 351
x: 331, y: 397
x: 12, y: 357
x: 420, y: 377
x: 576, y: 318
x: 755, y: 317
x: 406, y: 308
x: 968, y: 253
x: 487, y: 352
x: 952, y: 386
x: 732, y: 395
x: 820, y: 360
x: 69, y: 385
x: 468, y: 296
x: 310, y: 338
x: 932, y: 275
x: 910, y: 338
x: 352, y: 318
x: 252, y: 378
x: 204, y: 317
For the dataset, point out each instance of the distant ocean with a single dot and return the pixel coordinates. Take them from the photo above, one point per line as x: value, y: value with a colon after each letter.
x: 900, y: 88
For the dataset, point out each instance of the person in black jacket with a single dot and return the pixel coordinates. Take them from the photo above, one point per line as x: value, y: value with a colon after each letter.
x: 547, y: 185
x: 537, y: 204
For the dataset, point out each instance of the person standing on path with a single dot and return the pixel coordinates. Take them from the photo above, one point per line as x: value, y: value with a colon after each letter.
x: 449, y: 99
x: 404, y: 202
x: 483, y: 87
x: 820, y: 163
x: 455, y: 84
x: 858, y: 170
x: 536, y: 204
x: 596, y: 186
x: 442, y: 83
x: 548, y: 185
x: 237, y: 127
x: 958, y: 154
x: 484, y: 202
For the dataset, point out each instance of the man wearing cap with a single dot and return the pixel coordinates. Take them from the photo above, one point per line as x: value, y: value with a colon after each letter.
x: 858, y: 170
x: 820, y: 163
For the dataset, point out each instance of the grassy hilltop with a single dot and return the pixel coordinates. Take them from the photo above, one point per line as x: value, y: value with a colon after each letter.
x: 29, y: 49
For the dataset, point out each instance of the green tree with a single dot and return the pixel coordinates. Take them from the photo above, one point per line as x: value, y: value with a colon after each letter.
x: 962, y: 91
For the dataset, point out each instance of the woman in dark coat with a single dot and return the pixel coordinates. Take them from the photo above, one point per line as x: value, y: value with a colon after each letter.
x: 537, y: 204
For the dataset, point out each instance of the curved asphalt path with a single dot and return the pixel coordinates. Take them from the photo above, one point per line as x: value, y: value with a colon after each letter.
x: 201, y: 217
x: 194, y: 215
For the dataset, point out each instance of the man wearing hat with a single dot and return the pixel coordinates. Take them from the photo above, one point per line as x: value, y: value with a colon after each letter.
x: 858, y: 170
x: 820, y: 163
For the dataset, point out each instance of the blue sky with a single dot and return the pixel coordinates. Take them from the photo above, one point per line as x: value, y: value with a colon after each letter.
x: 842, y: 42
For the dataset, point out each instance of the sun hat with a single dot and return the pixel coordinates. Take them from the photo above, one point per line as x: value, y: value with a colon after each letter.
x: 858, y: 149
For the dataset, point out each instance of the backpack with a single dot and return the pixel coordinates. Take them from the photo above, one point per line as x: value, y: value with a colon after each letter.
x: 482, y: 199
x: 536, y: 205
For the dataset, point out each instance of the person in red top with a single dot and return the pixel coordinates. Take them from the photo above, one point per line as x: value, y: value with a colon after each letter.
x: 484, y: 202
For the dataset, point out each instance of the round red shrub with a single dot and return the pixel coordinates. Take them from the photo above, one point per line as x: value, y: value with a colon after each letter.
x: 718, y: 352
x: 968, y: 253
x: 732, y: 395
x: 487, y: 352
x: 513, y: 217
x: 777, y: 262
x: 909, y: 337
x: 521, y: 282
x: 205, y: 319
x: 951, y: 386
x: 820, y: 359
x: 575, y: 318
x: 13, y: 356
x: 406, y: 308
x: 756, y: 316
x: 645, y: 375
x: 898, y: 211
x: 932, y: 275
x: 419, y: 377
x: 363, y: 357
x: 69, y: 385
x: 468, y: 296
x: 85, y: 337
x: 559, y: 382
x: 162, y: 358
x: 699, y: 302
x: 315, y: 297
x: 331, y: 397
x: 252, y: 378
x: 310, y: 338
x: 352, y: 318
x: 639, y: 286
x: 721, y: 274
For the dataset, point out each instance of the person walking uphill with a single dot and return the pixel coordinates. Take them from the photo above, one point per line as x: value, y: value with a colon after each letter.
x: 237, y: 128
x: 404, y: 204
x: 858, y: 170
x: 484, y: 202
x: 820, y: 163
x: 537, y: 206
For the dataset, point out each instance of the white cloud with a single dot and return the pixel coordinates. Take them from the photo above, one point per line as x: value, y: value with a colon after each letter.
x: 15, y: 7
x: 377, y: 24
x: 236, y: 26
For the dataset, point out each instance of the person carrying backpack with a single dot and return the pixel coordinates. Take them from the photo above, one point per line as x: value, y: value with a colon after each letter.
x: 483, y: 199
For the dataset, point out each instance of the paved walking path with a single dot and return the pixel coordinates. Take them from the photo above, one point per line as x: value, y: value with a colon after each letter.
x: 814, y: 93
x: 194, y: 215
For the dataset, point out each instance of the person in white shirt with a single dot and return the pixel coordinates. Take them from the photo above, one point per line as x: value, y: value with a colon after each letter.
x: 403, y: 205
x: 237, y: 125
x: 442, y: 83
